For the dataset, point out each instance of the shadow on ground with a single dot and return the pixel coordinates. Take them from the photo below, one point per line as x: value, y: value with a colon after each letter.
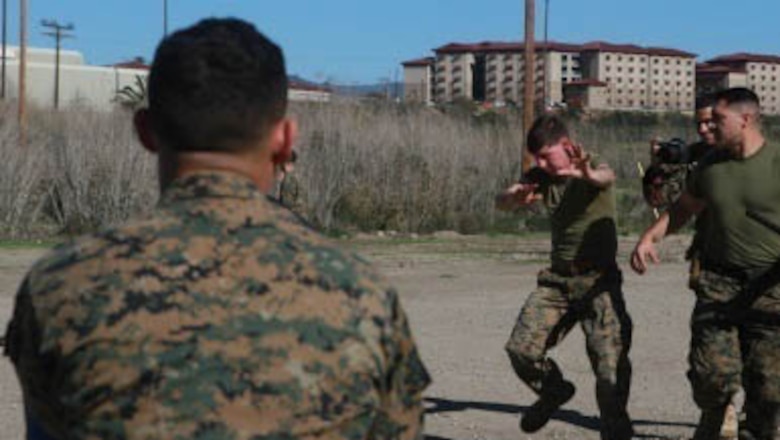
x: 435, y: 405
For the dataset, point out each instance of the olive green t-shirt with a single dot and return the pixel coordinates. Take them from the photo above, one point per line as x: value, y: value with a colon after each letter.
x: 582, y: 219
x: 733, y: 187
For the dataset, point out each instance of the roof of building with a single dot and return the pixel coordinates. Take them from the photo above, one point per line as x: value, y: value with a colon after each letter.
x: 744, y: 57
x: 506, y: 46
x: 136, y: 63
x: 419, y: 62
x: 589, y: 82
x: 297, y: 83
x: 717, y: 69
x: 603, y: 46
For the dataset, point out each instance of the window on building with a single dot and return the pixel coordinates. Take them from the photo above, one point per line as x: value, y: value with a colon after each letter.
x: 619, y: 69
x: 607, y: 57
x: 619, y: 80
x: 607, y: 68
x: 642, y: 103
x: 620, y: 91
x: 642, y: 81
x: 630, y: 70
x: 630, y: 59
x: 655, y: 61
x: 666, y: 61
x: 620, y: 58
x: 678, y: 62
x: 642, y: 70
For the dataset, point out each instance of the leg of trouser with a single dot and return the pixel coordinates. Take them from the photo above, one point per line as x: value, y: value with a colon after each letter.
x: 760, y: 337
x: 608, y: 329
x: 714, y: 358
x: 543, y: 321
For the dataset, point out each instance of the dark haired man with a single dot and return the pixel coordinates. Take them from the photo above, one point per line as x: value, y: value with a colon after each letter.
x: 219, y: 316
x: 735, y: 329
x: 582, y: 285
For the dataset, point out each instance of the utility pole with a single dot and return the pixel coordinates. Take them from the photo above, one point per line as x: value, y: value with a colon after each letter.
x: 547, y: 76
x: 528, y: 80
x: 5, y: 47
x: 165, y: 18
x: 58, y: 33
x: 22, y: 71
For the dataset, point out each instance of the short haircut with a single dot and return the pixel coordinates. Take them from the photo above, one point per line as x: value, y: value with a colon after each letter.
x: 546, y: 130
x: 738, y: 96
x: 705, y: 101
x: 216, y: 86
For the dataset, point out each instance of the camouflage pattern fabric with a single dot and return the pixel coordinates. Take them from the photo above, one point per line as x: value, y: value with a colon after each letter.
x: 663, y: 184
x: 735, y: 339
x: 218, y: 317
x: 291, y: 194
x: 595, y: 300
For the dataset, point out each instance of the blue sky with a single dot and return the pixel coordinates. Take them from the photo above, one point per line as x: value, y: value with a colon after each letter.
x: 361, y: 41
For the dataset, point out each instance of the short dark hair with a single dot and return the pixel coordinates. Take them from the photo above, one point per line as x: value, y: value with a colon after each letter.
x: 546, y: 130
x: 738, y: 95
x: 704, y: 101
x: 216, y: 86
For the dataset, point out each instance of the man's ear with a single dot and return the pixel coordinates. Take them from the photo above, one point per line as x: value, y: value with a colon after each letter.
x: 283, y: 137
x: 143, y: 128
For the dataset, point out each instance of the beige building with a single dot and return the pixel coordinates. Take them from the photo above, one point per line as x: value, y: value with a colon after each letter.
x: 494, y: 72
x: 639, y: 78
x: 418, y: 80
x: 586, y: 94
x: 623, y: 77
x: 760, y: 73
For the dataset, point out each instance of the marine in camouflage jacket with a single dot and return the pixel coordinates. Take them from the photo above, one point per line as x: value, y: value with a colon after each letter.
x: 219, y: 316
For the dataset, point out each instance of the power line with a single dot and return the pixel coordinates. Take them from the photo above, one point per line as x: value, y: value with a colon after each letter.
x: 58, y: 33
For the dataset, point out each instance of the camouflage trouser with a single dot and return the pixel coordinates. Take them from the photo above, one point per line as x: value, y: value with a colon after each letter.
x: 551, y: 311
x: 736, y: 340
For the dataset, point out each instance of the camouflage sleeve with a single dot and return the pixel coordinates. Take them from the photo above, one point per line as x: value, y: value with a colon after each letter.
x: 402, y: 409
x: 36, y: 378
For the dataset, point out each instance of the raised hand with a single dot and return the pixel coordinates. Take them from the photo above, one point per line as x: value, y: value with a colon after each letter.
x: 518, y: 195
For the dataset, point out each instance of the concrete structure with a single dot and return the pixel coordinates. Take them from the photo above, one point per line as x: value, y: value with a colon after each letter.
x: 304, y: 91
x: 622, y: 77
x: 493, y: 71
x: 96, y: 87
x: 80, y: 84
x: 586, y: 94
x: 760, y: 73
x: 639, y: 78
x: 418, y: 80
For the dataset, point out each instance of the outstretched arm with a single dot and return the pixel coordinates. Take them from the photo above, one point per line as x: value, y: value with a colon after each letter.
x: 517, y: 196
x: 668, y: 223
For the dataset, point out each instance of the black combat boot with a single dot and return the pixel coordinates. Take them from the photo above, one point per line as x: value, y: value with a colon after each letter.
x: 552, y: 398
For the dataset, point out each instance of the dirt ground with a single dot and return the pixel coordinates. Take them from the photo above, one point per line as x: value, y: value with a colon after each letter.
x: 462, y: 295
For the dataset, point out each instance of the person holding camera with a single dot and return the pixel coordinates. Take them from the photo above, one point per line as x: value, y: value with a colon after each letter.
x: 735, y: 327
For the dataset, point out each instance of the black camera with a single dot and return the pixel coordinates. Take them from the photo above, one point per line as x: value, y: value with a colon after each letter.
x: 673, y: 151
